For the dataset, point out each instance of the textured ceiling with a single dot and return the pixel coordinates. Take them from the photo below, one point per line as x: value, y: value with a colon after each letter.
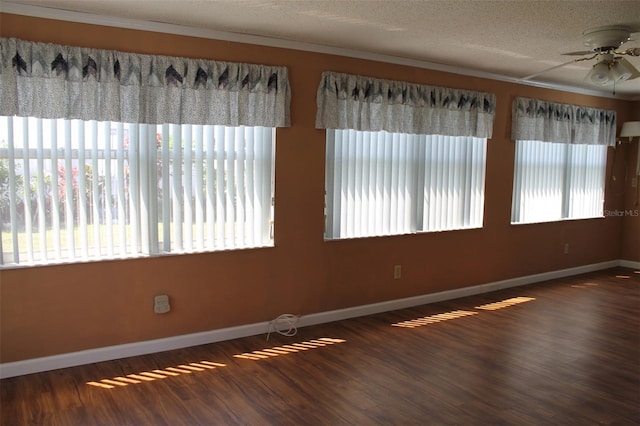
x: 512, y: 39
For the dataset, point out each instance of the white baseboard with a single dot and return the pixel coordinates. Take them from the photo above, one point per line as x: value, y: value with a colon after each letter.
x: 18, y: 368
x: 392, y: 305
x: 629, y: 264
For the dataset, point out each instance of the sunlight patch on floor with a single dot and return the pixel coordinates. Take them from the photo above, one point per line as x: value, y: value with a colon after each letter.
x: 505, y: 303
x: 584, y: 285
x: 418, y: 322
x: 288, y: 349
x: 150, y: 376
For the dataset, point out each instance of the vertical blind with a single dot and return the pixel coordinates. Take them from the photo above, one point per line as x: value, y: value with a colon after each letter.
x: 381, y: 183
x: 79, y: 190
x: 554, y: 181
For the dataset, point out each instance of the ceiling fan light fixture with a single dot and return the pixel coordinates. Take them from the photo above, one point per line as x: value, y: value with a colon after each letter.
x: 600, y: 74
x: 623, y: 70
x: 617, y: 73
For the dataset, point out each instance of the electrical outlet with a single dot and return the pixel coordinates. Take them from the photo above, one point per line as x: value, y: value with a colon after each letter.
x: 634, y: 182
x: 397, y: 272
x: 566, y: 248
x: 161, y: 304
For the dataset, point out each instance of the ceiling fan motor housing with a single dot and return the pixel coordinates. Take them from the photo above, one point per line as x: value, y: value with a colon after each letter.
x: 604, y: 39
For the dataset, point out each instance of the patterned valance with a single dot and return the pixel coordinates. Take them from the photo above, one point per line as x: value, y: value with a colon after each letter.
x: 363, y: 103
x: 533, y: 119
x: 54, y: 81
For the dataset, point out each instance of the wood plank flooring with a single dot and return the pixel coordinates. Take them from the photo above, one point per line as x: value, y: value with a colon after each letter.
x: 562, y: 352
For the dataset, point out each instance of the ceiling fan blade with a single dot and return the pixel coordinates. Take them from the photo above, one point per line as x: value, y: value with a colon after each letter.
x: 580, y: 53
x: 529, y: 77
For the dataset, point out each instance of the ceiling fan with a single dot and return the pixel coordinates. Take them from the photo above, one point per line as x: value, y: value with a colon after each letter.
x: 610, y: 65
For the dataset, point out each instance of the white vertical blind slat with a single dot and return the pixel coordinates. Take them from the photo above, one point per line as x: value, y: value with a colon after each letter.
x: 13, y: 211
x: 40, y: 202
x: 187, y: 141
x: 251, y: 198
x: 27, y: 189
x: 166, y: 188
x: 199, y: 187
x: 134, y: 182
x: 108, y: 190
x: 68, y: 186
x: 421, y: 183
x: 378, y: 189
x: 210, y: 186
x: 345, y: 201
x: 143, y: 174
x: 82, y: 189
x: 266, y: 182
x: 230, y: 203
x: 393, y: 185
x: 121, y: 191
x: 176, y: 188
x: 220, y: 187
x: 350, y: 174
x: 402, y: 188
x: 240, y: 191
x: 332, y: 170
x: 152, y: 190
x: 387, y: 185
x: 95, y: 187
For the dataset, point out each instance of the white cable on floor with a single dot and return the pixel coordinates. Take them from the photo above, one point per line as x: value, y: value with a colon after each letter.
x: 285, y: 324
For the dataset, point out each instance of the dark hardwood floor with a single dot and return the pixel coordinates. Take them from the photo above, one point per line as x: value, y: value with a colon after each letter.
x: 562, y: 352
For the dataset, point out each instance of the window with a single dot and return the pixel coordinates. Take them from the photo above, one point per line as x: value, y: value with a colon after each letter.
x: 88, y: 171
x: 381, y: 183
x: 389, y: 170
x: 77, y: 190
x: 560, y: 160
x: 556, y: 181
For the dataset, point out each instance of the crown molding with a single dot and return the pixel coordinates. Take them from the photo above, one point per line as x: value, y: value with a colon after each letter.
x: 162, y: 27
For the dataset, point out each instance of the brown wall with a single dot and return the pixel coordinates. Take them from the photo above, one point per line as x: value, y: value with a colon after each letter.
x: 58, y: 309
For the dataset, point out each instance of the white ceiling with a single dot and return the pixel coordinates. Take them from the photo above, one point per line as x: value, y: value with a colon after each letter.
x: 509, y: 39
